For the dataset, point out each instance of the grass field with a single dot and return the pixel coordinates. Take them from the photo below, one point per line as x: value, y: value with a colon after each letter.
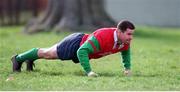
x: 155, y: 64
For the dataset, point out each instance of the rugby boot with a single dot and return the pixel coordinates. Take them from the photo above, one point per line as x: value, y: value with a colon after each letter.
x: 16, y: 66
x: 29, y: 65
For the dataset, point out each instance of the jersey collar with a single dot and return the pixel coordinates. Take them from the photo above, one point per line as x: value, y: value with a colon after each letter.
x: 116, y: 40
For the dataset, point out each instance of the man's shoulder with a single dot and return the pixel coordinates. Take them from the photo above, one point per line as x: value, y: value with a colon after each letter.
x: 104, y: 33
x: 106, y: 29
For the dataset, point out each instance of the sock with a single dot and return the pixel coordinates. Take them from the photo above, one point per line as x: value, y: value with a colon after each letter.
x: 28, y: 55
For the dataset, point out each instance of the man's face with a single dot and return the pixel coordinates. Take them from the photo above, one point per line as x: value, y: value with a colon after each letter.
x: 127, y: 36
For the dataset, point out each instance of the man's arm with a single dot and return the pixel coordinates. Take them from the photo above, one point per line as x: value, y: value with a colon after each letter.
x: 88, y: 47
x: 126, y: 57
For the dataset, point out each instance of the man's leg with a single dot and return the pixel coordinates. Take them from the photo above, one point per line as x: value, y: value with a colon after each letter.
x: 18, y: 60
x: 31, y: 55
x: 48, y: 53
x: 43, y: 53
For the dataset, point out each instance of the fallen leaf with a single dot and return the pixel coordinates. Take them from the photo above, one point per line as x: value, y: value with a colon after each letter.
x: 10, y: 78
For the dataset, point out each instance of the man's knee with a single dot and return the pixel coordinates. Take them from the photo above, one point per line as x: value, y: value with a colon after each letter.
x: 46, y: 53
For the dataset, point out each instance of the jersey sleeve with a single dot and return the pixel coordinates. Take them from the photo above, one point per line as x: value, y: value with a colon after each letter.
x: 126, y: 57
x: 91, y: 45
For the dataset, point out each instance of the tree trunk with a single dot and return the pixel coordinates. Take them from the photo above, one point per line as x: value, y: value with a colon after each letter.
x: 71, y: 15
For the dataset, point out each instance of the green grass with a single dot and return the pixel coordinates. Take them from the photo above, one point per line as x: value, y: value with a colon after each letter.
x: 155, y: 64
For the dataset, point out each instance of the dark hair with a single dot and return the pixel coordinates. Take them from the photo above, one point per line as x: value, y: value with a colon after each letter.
x: 124, y: 24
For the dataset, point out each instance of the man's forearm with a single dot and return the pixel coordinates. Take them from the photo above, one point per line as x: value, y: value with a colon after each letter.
x: 126, y: 56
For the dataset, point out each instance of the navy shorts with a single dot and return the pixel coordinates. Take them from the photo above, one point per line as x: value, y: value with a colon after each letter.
x: 67, y: 48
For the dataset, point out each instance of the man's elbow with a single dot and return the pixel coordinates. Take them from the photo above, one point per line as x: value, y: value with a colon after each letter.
x: 81, y: 52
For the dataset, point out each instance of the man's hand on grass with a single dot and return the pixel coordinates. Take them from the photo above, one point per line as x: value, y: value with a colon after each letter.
x: 92, y: 74
x: 127, y: 72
